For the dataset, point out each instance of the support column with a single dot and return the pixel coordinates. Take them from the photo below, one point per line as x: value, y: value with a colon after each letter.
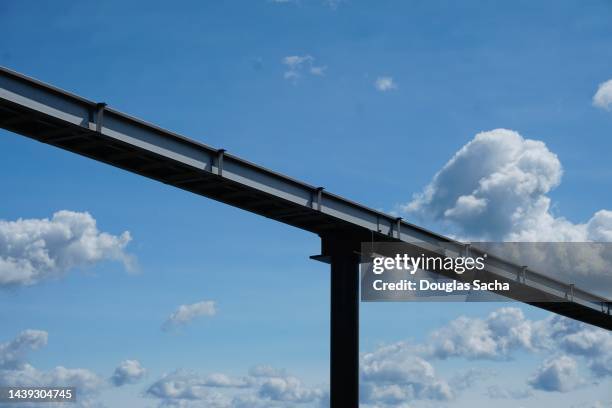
x: 344, y: 350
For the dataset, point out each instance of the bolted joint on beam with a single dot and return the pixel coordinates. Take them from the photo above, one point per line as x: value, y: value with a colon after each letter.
x: 100, y: 107
x: 220, y: 156
x: 317, y: 198
x: 398, y: 227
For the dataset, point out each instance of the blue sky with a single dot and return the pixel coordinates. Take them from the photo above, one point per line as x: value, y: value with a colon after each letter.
x: 217, y: 72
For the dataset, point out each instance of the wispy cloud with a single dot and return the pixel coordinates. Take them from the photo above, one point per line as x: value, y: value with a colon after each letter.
x: 186, y: 313
x: 300, y: 65
x: 333, y: 4
x: 385, y: 83
x: 603, y: 97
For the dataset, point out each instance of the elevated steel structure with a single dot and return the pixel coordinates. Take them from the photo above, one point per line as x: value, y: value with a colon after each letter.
x: 50, y: 115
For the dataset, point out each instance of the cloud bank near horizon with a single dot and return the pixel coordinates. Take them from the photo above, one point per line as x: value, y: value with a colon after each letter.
x: 16, y: 371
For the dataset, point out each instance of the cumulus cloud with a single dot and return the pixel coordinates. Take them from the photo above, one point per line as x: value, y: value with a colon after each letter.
x: 497, y: 392
x: 224, y: 381
x: 403, y: 373
x: 594, y: 345
x: 84, y: 380
x: 393, y: 375
x: 16, y: 371
x: 128, y: 372
x: 263, y: 387
x: 186, y: 313
x: 556, y: 374
x: 500, y: 336
x: 493, y: 338
x: 507, y: 331
x: 287, y: 389
x: 298, y: 65
x: 14, y: 352
x: 183, y: 385
x: 495, y: 188
x: 385, y: 83
x: 603, y: 97
x: 32, y: 250
x: 466, y: 379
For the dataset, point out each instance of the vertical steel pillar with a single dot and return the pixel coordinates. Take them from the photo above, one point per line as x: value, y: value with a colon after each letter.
x: 344, y: 323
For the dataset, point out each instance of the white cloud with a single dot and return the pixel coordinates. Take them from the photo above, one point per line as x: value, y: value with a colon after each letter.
x: 594, y: 345
x: 319, y: 71
x: 495, y: 188
x: 394, y: 374
x: 224, y: 381
x: 85, y: 381
x: 186, y: 313
x: 603, y: 97
x: 506, y: 331
x: 599, y: 227
x: 403, y: 373
x: 266, y: 371
x: 128, y: 372
x: 16, y: 371
x: 287, y: 389
x: 183, y: 385
x: 13, y: 353
x: 498, y: 392
x: 556, y: 374
x: 32, y: 250
x: 467, y: 378
x: 385, y: 83
x: 263, y: 387
x: 298, y: 65
x: 493, y: 338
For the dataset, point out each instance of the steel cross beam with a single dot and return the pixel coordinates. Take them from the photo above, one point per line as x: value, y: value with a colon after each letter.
x: 50, y: 115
